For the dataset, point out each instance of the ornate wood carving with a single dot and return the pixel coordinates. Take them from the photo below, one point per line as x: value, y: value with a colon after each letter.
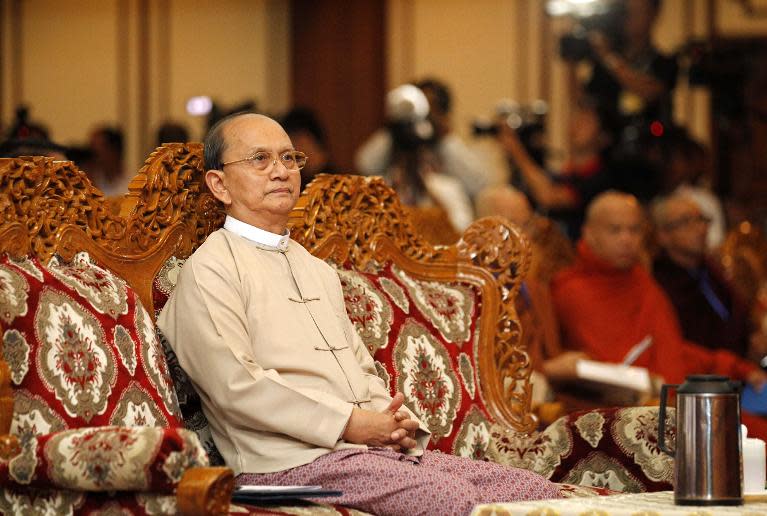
x: 361, y: 220
x: 205, y: 492
x: 352, y: 212
x: 43, y: 195
x: 169, y: 190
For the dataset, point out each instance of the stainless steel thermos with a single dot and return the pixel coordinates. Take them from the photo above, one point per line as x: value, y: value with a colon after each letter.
x: 708, y: 457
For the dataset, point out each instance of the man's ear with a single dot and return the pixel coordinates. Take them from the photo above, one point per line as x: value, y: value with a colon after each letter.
x: 215, y: 181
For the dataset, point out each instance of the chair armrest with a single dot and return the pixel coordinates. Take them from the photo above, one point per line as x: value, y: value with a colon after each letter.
x: 107, y: 458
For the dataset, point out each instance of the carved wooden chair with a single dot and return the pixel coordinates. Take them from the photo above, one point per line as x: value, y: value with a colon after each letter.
x: 433, y: 224
x: 89, y: 421
x: 440, y: 321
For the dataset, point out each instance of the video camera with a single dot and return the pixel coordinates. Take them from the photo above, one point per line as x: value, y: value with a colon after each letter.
x: 605, y: 16
x: 528, y: 120
x: 407, y: 118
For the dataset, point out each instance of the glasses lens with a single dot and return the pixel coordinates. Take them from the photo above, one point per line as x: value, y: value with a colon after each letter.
x: 294, y: 160
x: 300, y: 160
x: 261, y: 160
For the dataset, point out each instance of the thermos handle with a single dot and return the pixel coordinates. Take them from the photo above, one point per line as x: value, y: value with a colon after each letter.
x: 662, y: 418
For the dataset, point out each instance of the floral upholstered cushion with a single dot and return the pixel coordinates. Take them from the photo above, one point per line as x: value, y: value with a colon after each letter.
x: 109, y: 458
x: 614, y: 448
x: 423, y: 337
x: 81, y: 348
x: 19, y: 500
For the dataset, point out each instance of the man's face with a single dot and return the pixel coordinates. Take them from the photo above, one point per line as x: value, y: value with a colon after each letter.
x: 258, y: 197
x: 685, y: 229
x: 616, y: 236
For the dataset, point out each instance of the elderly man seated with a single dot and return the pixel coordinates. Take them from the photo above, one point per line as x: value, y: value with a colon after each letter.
x: 289, y: 389
x: 709, y: 309
x: 607, y: 302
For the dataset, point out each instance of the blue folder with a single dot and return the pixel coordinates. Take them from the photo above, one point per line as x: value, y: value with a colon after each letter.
x: 753, y: 401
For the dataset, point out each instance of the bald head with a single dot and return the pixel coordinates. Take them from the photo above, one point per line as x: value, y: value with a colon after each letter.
x: 505, y: 201
x: 614, y: 228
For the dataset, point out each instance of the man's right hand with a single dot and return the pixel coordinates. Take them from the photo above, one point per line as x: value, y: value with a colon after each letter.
x: 390, y: 428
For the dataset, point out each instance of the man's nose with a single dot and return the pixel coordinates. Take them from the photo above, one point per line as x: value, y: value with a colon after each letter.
x: 279, y: 170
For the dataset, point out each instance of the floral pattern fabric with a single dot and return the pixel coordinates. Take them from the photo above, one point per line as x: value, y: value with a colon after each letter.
x: 430, y: 355
x: 83, y: 346
x: 94, y: 406
x: 112, y: 458
x: 613, y: 448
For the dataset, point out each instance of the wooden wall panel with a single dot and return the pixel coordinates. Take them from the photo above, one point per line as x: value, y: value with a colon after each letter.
x: 338, y: 69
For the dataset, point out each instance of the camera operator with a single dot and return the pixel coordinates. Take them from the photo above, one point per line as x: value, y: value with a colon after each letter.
x: 375, y: 156
x: 564, y: 196
x: 413, y: 163
x: 631, y: 78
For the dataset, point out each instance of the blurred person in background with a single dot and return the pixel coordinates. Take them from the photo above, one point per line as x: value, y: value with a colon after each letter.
x: 631, y: 78
x: 415, y: 159
x: 377, y: 153
x: 307, y: 134
x: 28, y: 138
x: 565, y: 195
x: 171, y: 132
x: 104, y: 163
x: 607, y: 302
x: 709, y: 309
x: 687, y: 171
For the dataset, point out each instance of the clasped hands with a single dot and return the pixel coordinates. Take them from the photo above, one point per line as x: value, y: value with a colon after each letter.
x: 391, y: 428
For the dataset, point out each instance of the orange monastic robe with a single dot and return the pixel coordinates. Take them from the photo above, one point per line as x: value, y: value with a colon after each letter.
x: 605, y: 311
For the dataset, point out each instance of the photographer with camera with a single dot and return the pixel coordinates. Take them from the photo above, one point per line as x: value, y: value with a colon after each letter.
x: 410, y: 155
x: 564, y: 196
x: 456, y: 160
x: 631, y: 78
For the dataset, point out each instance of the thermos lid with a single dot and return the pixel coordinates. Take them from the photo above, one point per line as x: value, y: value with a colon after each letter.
x: 709, y: 384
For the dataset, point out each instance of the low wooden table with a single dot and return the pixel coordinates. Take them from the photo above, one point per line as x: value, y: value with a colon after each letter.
x: 640, y: 504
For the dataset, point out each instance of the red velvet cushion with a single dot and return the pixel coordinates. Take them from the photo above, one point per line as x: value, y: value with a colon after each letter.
x: 106, y: 459
x: 81, y: 348
x: 423, y: 337
x: 614, y: 448
x: 15, y: 500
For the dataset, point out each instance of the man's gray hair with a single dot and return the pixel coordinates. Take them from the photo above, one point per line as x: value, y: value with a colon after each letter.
x: 214, y: 144
x: 659, y: 208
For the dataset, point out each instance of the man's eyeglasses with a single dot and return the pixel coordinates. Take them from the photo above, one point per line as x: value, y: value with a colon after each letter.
x: 291, y: 160
x: 687, y: 220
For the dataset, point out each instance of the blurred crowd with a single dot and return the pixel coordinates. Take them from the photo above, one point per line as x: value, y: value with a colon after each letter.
x: 633, y: 196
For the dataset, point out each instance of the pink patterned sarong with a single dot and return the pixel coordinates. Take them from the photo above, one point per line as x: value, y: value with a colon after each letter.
x: 385, y: 482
